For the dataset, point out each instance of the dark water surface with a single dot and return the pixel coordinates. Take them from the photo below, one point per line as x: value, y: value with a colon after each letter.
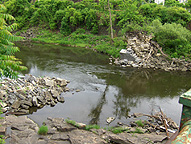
x: 105, y: 90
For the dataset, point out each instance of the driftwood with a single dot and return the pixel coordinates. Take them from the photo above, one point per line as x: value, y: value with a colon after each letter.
x: 169, y: 130
x: 15, y: 113
x: 160, y: 49
x: 163, y: 123
x: 160, y: 127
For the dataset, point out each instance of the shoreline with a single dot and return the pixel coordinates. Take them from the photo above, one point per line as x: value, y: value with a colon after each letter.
x: 140, y: 52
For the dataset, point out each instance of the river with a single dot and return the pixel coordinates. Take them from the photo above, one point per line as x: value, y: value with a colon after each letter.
x: 105, y: 90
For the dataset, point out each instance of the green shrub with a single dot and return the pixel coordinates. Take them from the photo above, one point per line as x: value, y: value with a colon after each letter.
x: 91, y: 19
x: 174, y: 38
x: 165, y: 14
x: 71, y: 19
x: 173, y: 3
x: 43, y: 130
x: 16, y: 7
x: 2, y: 140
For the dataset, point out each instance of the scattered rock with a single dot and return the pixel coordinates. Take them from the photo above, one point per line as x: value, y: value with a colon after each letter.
x: 110, y: 119
x: 81, y: 125
x: 60, y: 99
x: 137, y: 115
x: 35, y: 101
x: 30, y: 91
x: 3, y: 104
x: 16, y: 104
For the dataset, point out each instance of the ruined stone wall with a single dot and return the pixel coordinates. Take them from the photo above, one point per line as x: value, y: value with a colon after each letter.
x: 148, y: 54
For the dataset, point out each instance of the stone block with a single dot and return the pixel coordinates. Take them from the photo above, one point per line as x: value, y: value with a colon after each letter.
x: 3, y: 130
x: 125, y: 55
x: 16, y: 104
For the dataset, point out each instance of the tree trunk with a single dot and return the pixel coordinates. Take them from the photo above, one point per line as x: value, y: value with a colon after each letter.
x: 110, y: 20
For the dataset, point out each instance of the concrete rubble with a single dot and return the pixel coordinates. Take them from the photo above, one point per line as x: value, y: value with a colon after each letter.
x: 142, y: 52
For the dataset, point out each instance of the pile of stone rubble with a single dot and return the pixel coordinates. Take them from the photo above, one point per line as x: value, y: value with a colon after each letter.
x: 18, y: 95
x: 142, y: 52
x: 28, y: 34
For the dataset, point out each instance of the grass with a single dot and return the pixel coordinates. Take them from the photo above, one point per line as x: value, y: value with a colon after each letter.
x: 2, y: 137
x: 87, y: 127
x: 43, y: 130
x: 18, y: 87
x: 115, y: 130
x: 102, y: 44
x: 139, y: 131
x: 70, y: 122
x: 139, y: 123
x: 119, y: 130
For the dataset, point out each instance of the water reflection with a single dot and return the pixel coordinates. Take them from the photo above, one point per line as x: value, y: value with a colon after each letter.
x: 123, y: 105
x: 149, y: 83
x: 95, y: 112
x: 105, y: 90
x: 47, y: 56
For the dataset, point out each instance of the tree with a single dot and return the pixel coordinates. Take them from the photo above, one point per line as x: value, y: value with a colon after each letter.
x: 110, y: 20
x: 9, y: 65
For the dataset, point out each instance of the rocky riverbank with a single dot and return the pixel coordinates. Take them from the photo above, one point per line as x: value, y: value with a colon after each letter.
x: 143, y: 52
x: 19, y: 95
x: 22, y: 130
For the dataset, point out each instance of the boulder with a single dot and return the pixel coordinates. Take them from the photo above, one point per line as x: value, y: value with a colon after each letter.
x: 16, y: 104
x: 27, y: 102
x: 54, y: 93
x: 48, y: 96
x: 61, y: 82
x: 25, y: 106
x: 29, y: 78
x: 49, y: 82
x: 35, y: 101
x: 60, y: 99
x: 2, y: 93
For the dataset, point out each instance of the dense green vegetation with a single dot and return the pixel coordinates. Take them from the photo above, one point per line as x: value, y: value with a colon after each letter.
x: 9, y: 65
x: 86, y: 22
x: 43, y: 130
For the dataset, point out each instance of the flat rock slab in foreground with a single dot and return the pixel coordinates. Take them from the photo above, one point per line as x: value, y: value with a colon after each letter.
x: 22, y: 130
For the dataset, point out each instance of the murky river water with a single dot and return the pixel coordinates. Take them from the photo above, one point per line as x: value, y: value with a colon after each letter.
x: 105, y: 90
